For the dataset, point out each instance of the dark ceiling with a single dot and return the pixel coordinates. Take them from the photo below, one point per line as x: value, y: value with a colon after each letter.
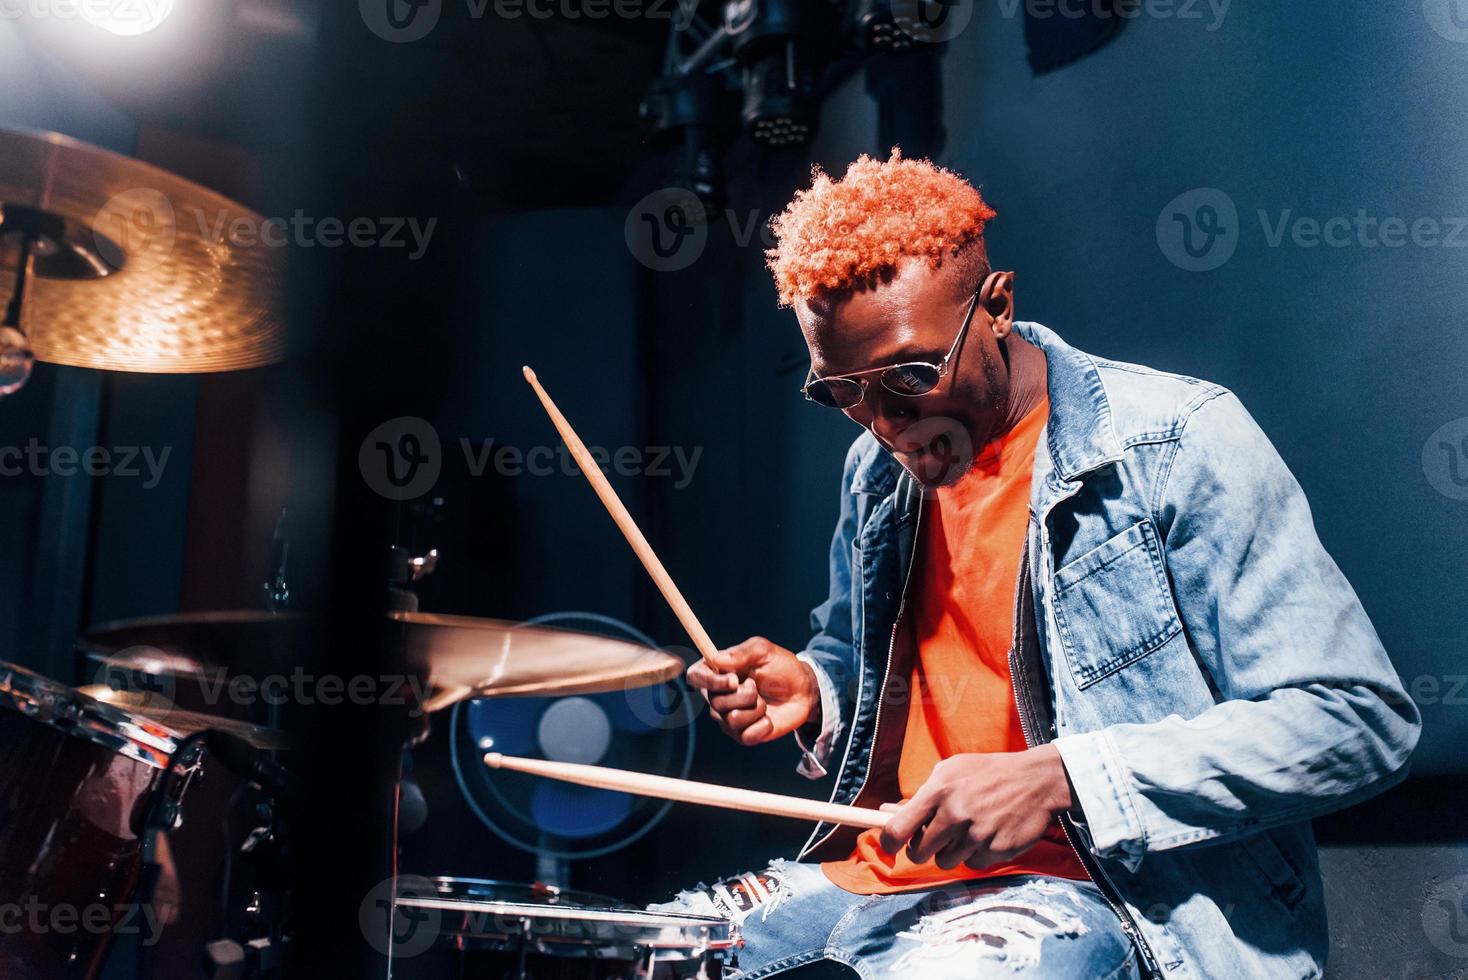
x: 533, y: 111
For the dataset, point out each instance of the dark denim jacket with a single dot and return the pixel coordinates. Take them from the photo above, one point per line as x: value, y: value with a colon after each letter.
x: 1204, y: 668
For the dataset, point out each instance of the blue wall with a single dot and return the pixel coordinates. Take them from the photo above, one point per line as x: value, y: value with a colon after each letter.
x: 1350, y: 357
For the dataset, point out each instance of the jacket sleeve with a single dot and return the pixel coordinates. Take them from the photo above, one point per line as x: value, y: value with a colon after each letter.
x: 1310, y: 717
x: 831, y: 652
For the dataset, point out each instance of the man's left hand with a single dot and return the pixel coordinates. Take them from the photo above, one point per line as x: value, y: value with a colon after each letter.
x: 981, y: 808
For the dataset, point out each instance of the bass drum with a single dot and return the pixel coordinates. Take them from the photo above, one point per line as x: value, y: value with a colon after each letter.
x: 484, y: 930
x: 77, y: 778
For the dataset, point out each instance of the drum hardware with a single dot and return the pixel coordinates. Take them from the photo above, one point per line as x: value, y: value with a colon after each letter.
x: 276, y: 589
x: 264, y: 945
x: 225, y: 959
x: 264, y: 845
x: 485, y: 930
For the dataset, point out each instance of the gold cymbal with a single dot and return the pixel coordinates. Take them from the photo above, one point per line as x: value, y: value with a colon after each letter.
x: 196, y: 644
x: 460, y: 657
x: 140, y: 269
x: 468, y: 657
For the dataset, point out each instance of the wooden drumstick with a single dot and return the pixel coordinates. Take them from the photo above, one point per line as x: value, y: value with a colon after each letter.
x: 688, y: 791
x: 625, y: 523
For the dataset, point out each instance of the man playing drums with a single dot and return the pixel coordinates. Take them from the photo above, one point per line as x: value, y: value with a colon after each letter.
x: 1080, y: 628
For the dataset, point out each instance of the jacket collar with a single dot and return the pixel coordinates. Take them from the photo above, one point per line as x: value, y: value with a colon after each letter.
x: 1079, y: 435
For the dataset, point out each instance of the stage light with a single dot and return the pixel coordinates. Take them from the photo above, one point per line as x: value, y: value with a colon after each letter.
x: 899, y: 25
x: 771, y: 43
x: 875, y: 27
x: 126, y: 18
x: 684, y: 108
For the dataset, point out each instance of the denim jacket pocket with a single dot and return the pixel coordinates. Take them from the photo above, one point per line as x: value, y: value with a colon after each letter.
x: 1113, y: 604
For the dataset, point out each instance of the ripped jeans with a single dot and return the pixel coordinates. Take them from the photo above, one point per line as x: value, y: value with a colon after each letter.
x: 1024, y: 926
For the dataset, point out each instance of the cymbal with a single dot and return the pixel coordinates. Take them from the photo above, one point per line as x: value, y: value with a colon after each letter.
x: 137, y: 269
x: 186, y: 723
x: 461, y: 657
x: 468, y: 657
x: 198, y: 644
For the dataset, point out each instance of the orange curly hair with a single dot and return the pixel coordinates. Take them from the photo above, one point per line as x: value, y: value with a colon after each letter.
x: 849, y: 233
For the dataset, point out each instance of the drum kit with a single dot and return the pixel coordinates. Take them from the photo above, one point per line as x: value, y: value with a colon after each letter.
x: 113, y: 793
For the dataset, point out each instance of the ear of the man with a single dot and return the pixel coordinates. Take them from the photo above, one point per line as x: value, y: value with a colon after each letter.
x: 997, y: 297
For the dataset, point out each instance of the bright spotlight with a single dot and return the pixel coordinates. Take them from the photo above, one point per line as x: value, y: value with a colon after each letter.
x: 127, y: 18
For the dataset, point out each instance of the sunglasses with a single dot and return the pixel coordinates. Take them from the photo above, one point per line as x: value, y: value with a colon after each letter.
x: 910, y: 379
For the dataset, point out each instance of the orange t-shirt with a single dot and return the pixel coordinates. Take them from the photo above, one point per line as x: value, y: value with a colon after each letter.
x: 961, y: 614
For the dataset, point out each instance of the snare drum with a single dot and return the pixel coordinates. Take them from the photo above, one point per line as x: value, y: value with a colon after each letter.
x: 509, y: 932
x: 76, y: 780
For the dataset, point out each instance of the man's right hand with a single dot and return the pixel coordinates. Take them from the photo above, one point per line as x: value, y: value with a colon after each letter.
x: 758, y: 691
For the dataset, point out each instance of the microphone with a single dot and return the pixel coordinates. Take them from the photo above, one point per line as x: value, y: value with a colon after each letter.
x: 243, y: 759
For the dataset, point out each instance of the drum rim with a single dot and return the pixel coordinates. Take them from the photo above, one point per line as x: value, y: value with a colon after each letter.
x: 604, y: 916
x: 67, y: 710
x: 567, y: 897
x: 609, y: 931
